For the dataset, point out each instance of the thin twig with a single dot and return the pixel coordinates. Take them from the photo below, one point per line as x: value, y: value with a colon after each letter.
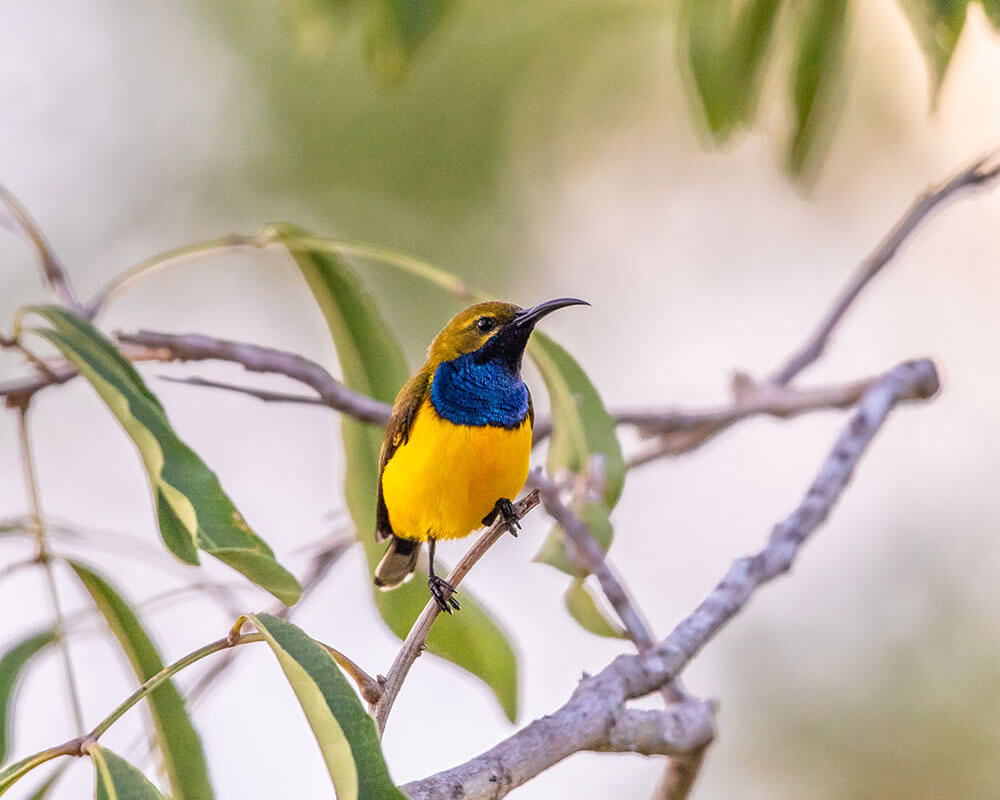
x: 44, y: 558
x: 52, y: 268
x: 679, y: 432
x: 417, y: 636
x: 261, y: 394
x: 585, y: 720
x: 195, y: 347
x: 978, y: 174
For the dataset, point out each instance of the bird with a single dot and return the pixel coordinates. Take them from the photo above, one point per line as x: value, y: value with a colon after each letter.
x: 458, y: 442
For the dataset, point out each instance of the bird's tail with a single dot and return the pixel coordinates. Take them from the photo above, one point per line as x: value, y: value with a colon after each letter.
x: 397, y: 564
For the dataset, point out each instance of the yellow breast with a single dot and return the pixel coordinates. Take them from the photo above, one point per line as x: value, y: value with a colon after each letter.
x: 447, y: 477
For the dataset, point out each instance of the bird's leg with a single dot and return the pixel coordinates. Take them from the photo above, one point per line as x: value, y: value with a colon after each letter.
x: 442, y: 591
x: 505, y: 509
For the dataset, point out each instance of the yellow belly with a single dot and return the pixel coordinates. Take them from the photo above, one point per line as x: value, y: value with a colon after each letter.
x: 447, y: 477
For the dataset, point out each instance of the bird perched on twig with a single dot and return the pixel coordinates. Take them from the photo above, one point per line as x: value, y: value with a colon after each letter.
x: 457, y: 446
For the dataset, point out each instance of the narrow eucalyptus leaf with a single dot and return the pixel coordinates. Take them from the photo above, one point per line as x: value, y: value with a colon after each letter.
x: 176, y: 737
x: 12, y: 667
x: 193, y: 512
x: 344, y: 731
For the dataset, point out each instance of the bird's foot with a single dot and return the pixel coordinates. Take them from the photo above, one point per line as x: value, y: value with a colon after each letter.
x: 504, y: 509
x: 443, y: 594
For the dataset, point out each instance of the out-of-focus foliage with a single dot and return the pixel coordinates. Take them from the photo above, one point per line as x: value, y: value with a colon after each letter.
x: 12, y: 666
x: 727, y: 48
x: 180, y: 747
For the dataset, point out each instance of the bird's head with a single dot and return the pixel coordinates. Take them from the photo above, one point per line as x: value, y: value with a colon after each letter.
x: 492, y: 331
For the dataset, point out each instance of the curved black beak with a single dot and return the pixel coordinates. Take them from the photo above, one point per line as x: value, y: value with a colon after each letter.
x: 507, y: 345
x: 530, y: 316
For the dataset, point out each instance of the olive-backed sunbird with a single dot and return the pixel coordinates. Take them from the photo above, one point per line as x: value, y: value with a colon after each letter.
x: 457, y: 445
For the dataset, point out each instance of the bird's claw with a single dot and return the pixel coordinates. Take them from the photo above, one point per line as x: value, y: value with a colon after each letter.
x: 504, y: 508
x: 443, y: 594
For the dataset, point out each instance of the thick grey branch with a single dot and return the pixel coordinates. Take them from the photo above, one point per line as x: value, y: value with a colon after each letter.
x: 978, y: 174
x: 586, y: 720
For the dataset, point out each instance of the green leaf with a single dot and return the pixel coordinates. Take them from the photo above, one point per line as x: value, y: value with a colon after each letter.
x: 372, y: 362
x: 179, y: 743
x: 344, y: 731
x: 116, y: 779
x: 584, y: 609
x: 726, y: 45
x: 11, y: 668
x: 193, y: 511
x: 581, y: 429
x: 817, y: 78
x: 399, y: 28
x: 937, y: 25
x: 992, y: 9
x: 17, y: 770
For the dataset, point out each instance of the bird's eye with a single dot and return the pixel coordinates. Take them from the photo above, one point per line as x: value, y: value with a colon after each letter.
x: 486, y: 324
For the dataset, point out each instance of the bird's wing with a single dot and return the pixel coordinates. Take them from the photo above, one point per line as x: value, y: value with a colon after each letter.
x: 404, y: 411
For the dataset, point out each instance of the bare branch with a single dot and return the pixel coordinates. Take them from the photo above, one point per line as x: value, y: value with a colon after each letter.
x: 52, y: 268
x: 584, y: 722
x: 417, y: 636
x: 980, y: 173
x: 679, y: 432
x: 195, y: 347
x: 261, y: 394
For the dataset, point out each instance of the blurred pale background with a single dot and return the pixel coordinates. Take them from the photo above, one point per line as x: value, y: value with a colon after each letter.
x: 546, y: 151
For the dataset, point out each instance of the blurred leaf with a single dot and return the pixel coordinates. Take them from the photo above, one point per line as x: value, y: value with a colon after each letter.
x: 398, y: 30
x: 372, y: 362
x: 47, y: 785
x: 938, y: 25
x: 11, y: 667
x: 596, y: 516
x: 116, y: 779
x: 727, y: 43
x: 992, y: 10
x: 192, y: 509
x: 816, y: 72
x: 344, y: 731
x: 17, y: 770
x: 581, y: 429
x: 584, y: 609
x: 179, y: 743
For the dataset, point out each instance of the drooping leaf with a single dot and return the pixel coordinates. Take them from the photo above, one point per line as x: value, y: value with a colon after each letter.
x: 582, y: 429
x: 726, y: 46
x: 344, y: 731
x: 178, y: 741
x: 937, y: 26
x: 584, y: 609
x: 816, y: 80
x: 193, y: 511
x: 398, y: 29
x: 372, y: 362
x: 12, y: 666
x: 116, y: 779
x: 12, y: 774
